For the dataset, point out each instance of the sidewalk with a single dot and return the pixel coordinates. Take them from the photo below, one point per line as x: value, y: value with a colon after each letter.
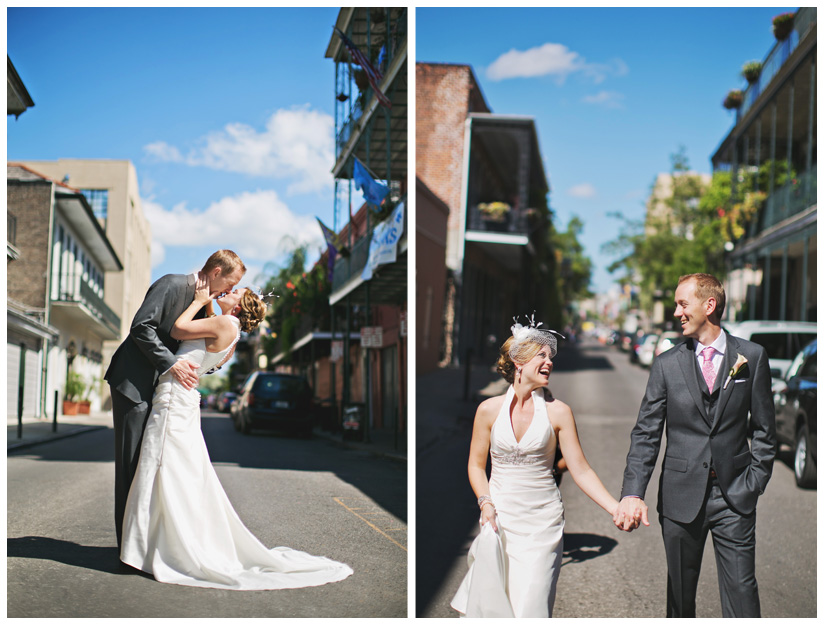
x: 36, y: 431
x: 447, y: 399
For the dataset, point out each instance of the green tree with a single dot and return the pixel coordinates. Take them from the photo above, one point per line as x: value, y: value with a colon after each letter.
x: 298, y: 295
x: 575, y: 268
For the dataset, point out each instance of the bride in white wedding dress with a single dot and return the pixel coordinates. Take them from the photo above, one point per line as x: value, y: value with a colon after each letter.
x: 179, y: 524
x: 514, y: 562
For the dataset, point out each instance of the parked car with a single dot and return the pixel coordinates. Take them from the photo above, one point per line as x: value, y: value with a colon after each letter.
x: 782, y: 340
x: 274, y: 401
x: 795, y: 402
x: 635, y: 343
x: 647, y: 348
x: 225, y: 401
x: 667, y: 340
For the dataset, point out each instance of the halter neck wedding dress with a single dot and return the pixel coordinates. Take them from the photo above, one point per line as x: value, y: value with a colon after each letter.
x: 179, y: 525
x: 513, y: 573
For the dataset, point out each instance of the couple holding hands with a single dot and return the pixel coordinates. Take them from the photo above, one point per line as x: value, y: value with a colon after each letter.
x: 711, y: 395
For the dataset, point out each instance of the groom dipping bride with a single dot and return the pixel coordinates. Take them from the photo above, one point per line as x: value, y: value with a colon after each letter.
x: 172, y: 517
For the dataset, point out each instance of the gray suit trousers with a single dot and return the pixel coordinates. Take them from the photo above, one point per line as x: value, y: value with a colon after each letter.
x: 129, y: 421
x: 734, y: 544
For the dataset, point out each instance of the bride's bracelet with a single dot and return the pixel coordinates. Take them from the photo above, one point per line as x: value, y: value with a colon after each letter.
x: 485, y: 499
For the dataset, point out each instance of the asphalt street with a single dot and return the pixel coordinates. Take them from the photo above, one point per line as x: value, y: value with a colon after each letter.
x: 311, y: 495
x: 605, y: 573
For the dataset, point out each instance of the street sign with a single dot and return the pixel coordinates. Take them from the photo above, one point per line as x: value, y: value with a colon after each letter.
x: 372, y: 336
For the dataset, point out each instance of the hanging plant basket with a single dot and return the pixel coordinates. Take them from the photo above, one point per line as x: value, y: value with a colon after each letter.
x: 783, y: 26
x: 494, y: 211
x: 734, y: 99
x: 751, y: 71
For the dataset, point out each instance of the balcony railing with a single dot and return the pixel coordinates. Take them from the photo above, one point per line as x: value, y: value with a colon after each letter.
x: 513, y: 222
x: 86, y: 295
x: 346, y: 268
x: 777, y: 56
x: 787, y: 201
x: 397, y: 34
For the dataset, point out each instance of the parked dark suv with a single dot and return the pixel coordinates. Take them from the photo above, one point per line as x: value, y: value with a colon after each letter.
x: 795, y: 401
x: 274, y: 401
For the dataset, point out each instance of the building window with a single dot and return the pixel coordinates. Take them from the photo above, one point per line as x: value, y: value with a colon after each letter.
x: 99, y: 201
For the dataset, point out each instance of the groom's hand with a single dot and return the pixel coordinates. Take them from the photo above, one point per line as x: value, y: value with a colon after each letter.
x: 185, y: 373
x: 630, y: 513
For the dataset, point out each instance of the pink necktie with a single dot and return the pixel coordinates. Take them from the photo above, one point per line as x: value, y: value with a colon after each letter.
x: 708, y: 371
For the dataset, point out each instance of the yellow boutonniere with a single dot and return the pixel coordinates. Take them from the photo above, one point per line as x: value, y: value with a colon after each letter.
x: 740, y: 363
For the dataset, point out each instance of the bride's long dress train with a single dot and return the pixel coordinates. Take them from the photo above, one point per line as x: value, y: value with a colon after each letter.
x: 179, y: 525
x: 513, y: 573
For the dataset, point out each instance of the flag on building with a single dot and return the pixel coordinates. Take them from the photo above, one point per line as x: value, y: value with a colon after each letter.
x: 374, y: 192
x: 333, y: 246
x: 373, y: 75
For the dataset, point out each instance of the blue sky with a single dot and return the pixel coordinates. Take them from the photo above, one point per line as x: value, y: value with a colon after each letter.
x: 615, y: 92
x: 226, y: 114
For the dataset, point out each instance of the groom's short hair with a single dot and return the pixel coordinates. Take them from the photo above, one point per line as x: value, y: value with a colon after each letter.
x: 708, y: 286
x: 227, y: 260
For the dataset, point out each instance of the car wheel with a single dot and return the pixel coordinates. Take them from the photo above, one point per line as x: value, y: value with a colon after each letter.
x: 246, y: 427
x: 236, y: 423
x: 804, y: 468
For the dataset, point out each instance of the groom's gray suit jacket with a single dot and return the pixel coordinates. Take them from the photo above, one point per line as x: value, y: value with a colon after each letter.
x: 696, y: 440
x: 149, y: 349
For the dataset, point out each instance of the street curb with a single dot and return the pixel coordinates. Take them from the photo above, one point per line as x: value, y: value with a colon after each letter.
x: 333, y: 439
x: 51, y: 437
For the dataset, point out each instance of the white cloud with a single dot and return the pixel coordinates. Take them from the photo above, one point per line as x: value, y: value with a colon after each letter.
x: 608, y: 99
x: 257, y: 225
x: 584, y: 190
x: 552, y: 59
x: 296, y: 144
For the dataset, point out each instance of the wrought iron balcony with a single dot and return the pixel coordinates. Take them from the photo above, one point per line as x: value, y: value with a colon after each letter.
x: 83, y: 297
x: 781, y: 51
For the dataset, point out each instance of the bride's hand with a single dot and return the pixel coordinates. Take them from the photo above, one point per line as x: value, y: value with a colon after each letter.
x: 488, y: 516
x: 202, y: 290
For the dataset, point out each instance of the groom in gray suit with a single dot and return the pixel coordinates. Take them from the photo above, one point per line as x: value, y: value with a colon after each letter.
x: 711, y: 394
x: 149, y: 351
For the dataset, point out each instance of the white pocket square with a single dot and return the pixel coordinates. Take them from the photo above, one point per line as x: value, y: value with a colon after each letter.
x: 741, y: 380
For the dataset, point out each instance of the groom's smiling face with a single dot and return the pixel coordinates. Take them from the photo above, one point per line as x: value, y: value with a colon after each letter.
x: 223, y: 283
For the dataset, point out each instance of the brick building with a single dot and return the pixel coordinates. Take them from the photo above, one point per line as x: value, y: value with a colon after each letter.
x: 57, y: 257
x: 487, y: 170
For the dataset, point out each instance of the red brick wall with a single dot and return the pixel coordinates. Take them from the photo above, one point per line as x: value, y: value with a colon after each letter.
x: 27, y: 276
x: 431, y: 276
x: 445, y: 94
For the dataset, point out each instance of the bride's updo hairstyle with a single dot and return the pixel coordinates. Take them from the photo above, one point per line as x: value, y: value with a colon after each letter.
x: 524, y: 351
x: 523, y: 345
x: 253, y: 311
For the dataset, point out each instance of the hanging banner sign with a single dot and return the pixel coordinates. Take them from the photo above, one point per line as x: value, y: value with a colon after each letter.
x: 384, y: 242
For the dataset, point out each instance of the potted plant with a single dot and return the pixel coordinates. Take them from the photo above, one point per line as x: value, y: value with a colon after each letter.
x: 73, y: 392
x: 494, y: 211
x: 783, y: 26
x: 751, y: 71
x: 734, y: 99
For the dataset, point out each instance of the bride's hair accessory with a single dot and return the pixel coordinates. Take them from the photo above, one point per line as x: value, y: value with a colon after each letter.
x: 531, y: 333
x: 261, y: 295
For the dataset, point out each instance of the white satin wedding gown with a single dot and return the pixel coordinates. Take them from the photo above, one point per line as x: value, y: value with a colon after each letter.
x: 179, y: 525
x: 513, y: 573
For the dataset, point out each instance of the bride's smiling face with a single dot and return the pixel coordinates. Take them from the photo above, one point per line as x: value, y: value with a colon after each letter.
x: 228, y: 302
x: 538, y: 368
